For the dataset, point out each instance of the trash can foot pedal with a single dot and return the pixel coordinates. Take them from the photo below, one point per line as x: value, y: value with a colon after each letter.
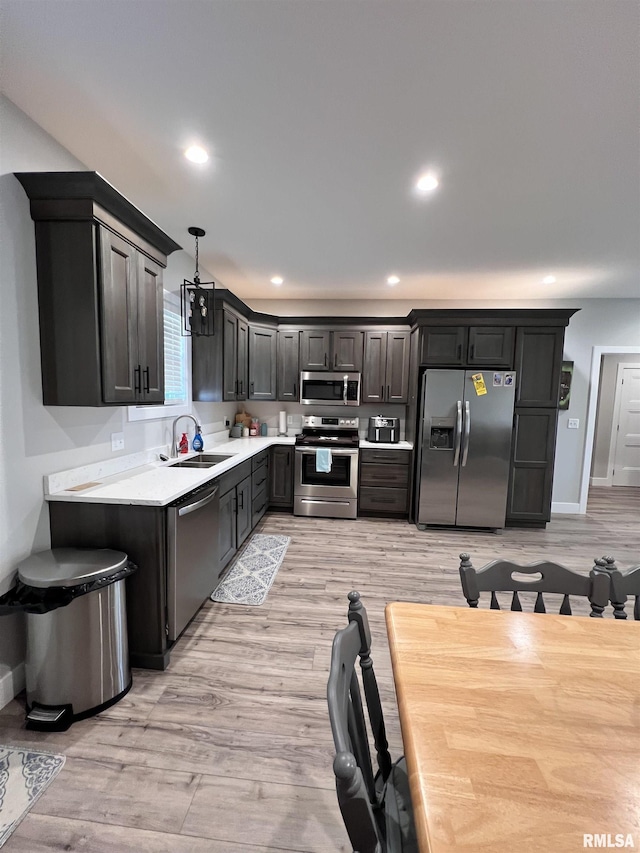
x: 51, y: 717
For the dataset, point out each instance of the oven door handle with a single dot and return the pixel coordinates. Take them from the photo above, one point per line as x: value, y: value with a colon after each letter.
x: 188, y: 508
x: 335, y: 451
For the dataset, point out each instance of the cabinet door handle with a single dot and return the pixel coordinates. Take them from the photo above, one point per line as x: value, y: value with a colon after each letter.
x: 459, y: 351
x: 146, y: 379
x: 388, y: 392
x: 241, y: 496
x: 381, y: 393
x: 251, y: 387
x: 335, y: 361
x: 237, y: 387
x: 137, y: 377
x: 295, y: 389
x: 325, y: 360
x: 472, y: 350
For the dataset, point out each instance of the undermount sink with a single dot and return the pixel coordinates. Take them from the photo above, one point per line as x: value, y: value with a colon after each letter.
x: 202, y: 460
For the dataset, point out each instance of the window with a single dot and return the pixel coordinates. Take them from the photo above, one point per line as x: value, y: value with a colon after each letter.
x: 177, y: 377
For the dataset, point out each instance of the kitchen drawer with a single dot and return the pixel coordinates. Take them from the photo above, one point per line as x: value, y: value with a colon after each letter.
x: 259, y: 459
x: 260, y: 478
x: 384, y: 475
x: 234, y: 476
x: 397, y: 457
x: 260, y: 492
x: 383, y: 500
x: 259, y: 506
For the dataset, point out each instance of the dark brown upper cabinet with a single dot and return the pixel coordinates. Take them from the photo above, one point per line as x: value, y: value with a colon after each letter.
x: 462, y: 346
x: 385, y: 376
x: 100, y: 297
x: 220, y: 363
x: 444, y: 345
x: 262, y: 363
x: 132, y: 354
x: 331, y: 350
x: 347, y: 350
x: 538, y: 365
x: 288, y: 366
x: 315, y: 350
x: 242, y: 373
x: 490, y: 346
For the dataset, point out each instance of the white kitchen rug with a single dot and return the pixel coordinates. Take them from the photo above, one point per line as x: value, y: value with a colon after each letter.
x: 24, y: 775
x: 250, y: 577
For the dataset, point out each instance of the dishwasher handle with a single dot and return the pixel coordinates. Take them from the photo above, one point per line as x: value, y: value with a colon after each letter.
x: 185, y: 510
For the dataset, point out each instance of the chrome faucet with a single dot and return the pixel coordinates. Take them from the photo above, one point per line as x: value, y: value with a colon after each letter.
x: 174, y: 445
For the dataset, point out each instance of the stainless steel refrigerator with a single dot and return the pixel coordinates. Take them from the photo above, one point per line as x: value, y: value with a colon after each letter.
x: 465, y: 447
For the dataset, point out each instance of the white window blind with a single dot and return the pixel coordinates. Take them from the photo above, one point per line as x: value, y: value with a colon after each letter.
x: 175, y: 362
x: 177, y: 385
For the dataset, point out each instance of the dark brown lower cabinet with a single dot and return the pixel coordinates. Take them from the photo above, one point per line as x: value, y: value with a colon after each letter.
x: 531, y: 476
x: 384, y: 482
x: 281, y: 491
x: 141, y: 532
x: 235, y: 522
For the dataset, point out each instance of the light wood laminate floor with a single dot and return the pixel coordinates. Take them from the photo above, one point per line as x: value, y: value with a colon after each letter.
x: 229, y: 750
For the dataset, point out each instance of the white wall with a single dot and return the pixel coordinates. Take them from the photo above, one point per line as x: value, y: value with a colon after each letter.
x: 36, y: 439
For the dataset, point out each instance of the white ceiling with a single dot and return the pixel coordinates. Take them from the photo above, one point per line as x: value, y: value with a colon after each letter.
x: 319, y: 116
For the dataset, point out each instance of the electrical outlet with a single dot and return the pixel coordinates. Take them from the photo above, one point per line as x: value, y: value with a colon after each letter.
x: 227, y: 422
x: 573, y: 423
x: 117, y: 441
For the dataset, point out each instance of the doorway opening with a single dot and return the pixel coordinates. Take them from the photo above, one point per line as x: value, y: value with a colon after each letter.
x: 611, y: 469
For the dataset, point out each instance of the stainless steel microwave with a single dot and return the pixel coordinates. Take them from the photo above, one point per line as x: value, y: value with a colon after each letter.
x: 330, y: 389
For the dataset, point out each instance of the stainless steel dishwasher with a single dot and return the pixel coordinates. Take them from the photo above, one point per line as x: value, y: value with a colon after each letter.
x: 193, y: 563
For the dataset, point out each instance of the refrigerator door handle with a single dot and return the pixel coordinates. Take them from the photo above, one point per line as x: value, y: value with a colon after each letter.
x: 467, y: 432
x: 458, y: 438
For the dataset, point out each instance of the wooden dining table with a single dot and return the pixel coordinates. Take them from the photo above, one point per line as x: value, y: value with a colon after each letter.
x: 521, y: 730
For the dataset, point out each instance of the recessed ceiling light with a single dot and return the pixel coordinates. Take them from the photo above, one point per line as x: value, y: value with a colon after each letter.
x: 427, y: 182
x: 196, y: 154
x: 393, y: 279
x: 277, y: 280
x: 549, y: 279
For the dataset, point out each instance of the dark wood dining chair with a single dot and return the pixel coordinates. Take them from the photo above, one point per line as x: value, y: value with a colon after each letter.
x: 623, y: 585
x: 375, y: 805
x: 550, y: 578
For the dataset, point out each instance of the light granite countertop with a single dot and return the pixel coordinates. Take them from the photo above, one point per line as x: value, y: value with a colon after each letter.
x: 143, y: 479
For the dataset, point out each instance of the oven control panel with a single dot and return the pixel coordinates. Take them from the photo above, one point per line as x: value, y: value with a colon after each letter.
x: 330, y: 422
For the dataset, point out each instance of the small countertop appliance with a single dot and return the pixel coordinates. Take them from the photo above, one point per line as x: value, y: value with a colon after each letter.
x: 384, y: 430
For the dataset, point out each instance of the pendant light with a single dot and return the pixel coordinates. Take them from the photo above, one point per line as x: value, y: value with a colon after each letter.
x: 197, y: 299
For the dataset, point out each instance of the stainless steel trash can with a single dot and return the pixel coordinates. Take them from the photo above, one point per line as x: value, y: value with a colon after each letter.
x: 77, y: 661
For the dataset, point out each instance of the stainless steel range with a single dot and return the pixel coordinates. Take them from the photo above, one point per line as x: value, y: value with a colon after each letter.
x: 326, y: 483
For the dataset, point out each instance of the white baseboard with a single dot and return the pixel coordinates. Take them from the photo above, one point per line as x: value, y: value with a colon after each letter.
x: 11, y: 683
x: 565, y: 508
x: 600, y: 481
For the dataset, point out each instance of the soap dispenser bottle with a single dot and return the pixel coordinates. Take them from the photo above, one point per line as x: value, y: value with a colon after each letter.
x: 198, y: 443
x: 183, y: 446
